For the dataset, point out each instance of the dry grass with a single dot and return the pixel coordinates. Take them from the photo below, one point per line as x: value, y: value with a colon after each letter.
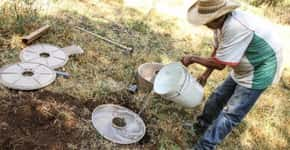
x: 103, y: 72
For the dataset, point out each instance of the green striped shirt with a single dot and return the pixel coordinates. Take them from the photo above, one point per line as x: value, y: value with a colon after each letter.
x: 250, y: 46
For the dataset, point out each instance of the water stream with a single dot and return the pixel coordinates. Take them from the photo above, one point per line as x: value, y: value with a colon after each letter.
x: 146, y: 100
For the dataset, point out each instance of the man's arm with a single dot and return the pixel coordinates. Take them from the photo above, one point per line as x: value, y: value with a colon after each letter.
x: 202, y: 79
x: 207, y: 62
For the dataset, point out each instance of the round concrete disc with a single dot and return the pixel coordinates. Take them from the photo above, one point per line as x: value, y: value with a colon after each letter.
x: 26, y: 76
x: 46, y: 54
x: 102, y: 120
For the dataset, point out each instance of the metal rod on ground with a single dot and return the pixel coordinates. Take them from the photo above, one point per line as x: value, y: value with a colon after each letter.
x: 62, y: 74
x: 128, y: 49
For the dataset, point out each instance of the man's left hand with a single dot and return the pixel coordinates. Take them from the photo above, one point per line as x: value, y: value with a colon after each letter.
x: 202, y: 80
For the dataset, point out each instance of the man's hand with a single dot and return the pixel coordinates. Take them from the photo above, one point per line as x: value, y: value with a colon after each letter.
x: 187, y: 60
x: 203, y: 78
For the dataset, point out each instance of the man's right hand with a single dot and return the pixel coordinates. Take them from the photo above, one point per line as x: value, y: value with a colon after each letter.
x: 187, y: 60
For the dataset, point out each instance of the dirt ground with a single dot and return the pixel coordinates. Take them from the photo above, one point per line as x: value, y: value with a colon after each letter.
x: 46, y: 120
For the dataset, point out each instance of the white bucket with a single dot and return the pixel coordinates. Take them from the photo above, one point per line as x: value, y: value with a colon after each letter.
x: 173, y: 82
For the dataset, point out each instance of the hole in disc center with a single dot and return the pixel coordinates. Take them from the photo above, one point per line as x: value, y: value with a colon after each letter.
x: 27, y: 73
x: 119, y: 122
x: 44, y: 55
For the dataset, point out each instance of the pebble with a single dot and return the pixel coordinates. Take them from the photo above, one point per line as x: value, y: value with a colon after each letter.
x: 4, y: 126
x: 86, y: 112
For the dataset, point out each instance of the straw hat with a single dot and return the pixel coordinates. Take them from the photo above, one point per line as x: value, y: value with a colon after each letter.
x: 205, y: 11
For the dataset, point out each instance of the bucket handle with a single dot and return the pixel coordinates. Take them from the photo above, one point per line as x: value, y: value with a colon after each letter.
x: 182, y: 86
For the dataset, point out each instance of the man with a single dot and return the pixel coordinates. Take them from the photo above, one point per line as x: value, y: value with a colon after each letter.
x: 249, y: 46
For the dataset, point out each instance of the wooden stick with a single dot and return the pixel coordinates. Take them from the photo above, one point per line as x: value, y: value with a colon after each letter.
x: 35, y: 35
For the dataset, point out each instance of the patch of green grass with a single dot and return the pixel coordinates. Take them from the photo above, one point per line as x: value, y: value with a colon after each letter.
x: 19, y: 13
x: 269, y: 2
x: 139, y: 26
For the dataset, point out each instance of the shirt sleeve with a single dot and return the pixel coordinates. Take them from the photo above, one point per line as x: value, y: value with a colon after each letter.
x: 234, y: 40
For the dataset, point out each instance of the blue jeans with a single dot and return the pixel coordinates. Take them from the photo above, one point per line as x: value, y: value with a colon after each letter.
x: 225, y: 108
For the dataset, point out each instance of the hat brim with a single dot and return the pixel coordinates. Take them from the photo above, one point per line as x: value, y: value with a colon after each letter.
x: 196, y: 18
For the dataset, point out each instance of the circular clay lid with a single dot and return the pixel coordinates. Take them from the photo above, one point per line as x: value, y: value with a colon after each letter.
x: 26, y: 76
x: 49, y: 55
x: 118, y: 124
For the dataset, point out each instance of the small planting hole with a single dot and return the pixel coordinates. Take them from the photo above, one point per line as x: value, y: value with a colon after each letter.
x: 145, y: 140
x: 44, y: 55
x: 119, y: 122
x: 27, y: 73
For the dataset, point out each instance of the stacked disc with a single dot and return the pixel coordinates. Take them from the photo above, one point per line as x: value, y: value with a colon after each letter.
x: 36, y: 70
x: 49, y: 55
x: 26, y: 76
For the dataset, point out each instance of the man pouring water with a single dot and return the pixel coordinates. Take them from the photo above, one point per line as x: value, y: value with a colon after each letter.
x: 248, y: 45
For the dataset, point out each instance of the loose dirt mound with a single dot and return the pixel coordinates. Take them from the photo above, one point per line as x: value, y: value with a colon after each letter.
x: 37, y: 121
